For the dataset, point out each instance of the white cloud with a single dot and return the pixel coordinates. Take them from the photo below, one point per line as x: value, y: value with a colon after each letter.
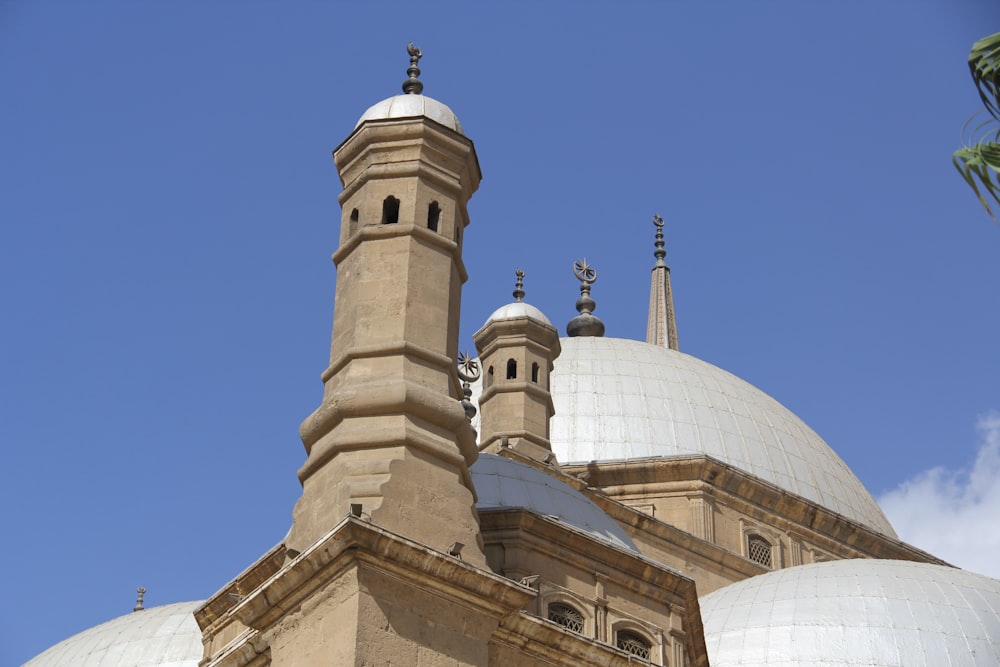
x: 955, y: 514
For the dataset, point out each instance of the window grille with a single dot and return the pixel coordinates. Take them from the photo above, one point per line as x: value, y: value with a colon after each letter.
x: 566, y: 616
x: 635, y: 644
x: 759, y: 550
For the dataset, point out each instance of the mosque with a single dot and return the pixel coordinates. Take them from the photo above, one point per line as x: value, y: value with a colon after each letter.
x: 577, y: 500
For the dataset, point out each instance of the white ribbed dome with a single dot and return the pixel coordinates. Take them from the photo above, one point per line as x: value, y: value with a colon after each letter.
x: 166, y: 636
x: 412, y: 106
x: 621, y: 399
x: 515, y: 310
x: 845, y: 613
x: 501, y: 483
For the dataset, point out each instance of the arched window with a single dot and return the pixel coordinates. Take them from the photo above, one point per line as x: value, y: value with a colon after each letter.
x: 534, y: 372
x: 390, y: 211
x: 759, y: 550
x: 433, y: 213
x: 489, y: 376
x: 566, y: 616
x: 354, y: 221
x: 634, y: 643
x: 511, y: 369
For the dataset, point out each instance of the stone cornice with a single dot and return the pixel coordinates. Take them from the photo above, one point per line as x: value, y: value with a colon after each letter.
x: 355, y: 542
x: 743, y: 492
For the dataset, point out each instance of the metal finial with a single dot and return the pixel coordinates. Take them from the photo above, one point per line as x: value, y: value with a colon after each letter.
x: 413, y: 86
x: 519, y: 287
x: 585, y: 324
x: 659, y: 253
x: 468, y: 371
x: 138, y: 603
x: 585, y: 273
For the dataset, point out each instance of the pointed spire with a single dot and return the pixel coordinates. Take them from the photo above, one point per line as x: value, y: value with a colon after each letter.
x: 662, y: 326
x: 585, y: 324
x: 413, y: 86
x: 519, y: 287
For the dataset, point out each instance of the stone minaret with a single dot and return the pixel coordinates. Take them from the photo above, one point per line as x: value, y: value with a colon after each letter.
x: 391, y: 437
x: 517, y: 346
x: 662, y: 327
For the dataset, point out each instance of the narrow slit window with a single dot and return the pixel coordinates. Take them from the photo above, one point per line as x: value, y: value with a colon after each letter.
x: 534, y: 372
x: 489, y: 377
x: 390, y: 211
x: 433, y: 214
x: 511, y: 369
x: 354, y: 221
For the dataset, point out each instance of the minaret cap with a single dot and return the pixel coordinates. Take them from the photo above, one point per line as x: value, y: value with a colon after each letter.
x: 469, y: 371
x: 585, y: 324
x: 660, y: 253
x: 519, y: 285
x: 413, y: 85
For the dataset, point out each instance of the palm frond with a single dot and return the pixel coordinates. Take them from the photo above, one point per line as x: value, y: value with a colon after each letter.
x: 979, y: 165
x: 984, y: 64
x: 979, y: 161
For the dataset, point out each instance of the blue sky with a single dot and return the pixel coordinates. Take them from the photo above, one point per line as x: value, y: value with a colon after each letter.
x: 169, y: 207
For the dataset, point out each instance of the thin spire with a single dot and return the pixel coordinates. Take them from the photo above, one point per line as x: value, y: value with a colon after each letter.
x: 519, y: 287
x: 662, y: 325
x: 413, y: 86
x: 138, y: 603
x: 585, y: 324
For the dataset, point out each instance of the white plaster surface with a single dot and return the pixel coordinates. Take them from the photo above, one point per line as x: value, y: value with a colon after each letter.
x: 165, y: 636
x: 881, y: 613
x: 412, y: 106
x: 501, y: 482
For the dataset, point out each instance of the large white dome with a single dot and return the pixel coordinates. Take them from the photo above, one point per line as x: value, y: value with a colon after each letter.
x: 879, y: 613
x: 621, y: 399
x: 166, y: 636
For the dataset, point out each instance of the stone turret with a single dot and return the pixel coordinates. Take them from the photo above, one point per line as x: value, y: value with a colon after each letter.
x: 517, y: 347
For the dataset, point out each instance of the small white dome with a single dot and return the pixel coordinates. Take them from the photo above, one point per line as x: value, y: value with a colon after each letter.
x: 845, y: 613
x: 518, y: 309
x: 412, y: 106
x: 165, y: 636
x: 501, y: 483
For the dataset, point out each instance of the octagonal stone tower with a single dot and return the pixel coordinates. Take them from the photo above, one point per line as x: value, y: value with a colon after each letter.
x: 391, y: 434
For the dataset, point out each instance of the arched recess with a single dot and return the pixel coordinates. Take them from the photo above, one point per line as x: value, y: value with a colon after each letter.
x: 433, y: 215
x: 390, y: 210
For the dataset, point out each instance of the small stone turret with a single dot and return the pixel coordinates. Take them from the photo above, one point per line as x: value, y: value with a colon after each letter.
x: 517, y: 347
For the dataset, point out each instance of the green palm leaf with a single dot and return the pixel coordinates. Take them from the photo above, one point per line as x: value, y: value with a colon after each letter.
x: 979, y: 161
x: 984, y: 64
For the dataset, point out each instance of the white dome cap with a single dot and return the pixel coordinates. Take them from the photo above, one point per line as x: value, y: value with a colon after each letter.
x: 844, y: 613
x: 619, y: 399
x: 502, y: 483
x: 412, y: 106
x: 166, y: 636
x: 518, y: 309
